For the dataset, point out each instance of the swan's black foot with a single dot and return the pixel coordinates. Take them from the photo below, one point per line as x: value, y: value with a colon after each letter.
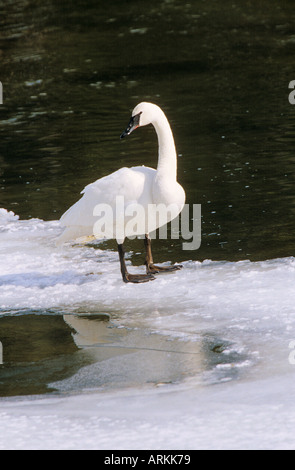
x: 153, y: 269
x: 137, y: 278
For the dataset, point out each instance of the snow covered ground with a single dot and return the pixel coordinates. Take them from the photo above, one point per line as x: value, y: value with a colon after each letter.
x: 219, y: 334
x: 257, y: 415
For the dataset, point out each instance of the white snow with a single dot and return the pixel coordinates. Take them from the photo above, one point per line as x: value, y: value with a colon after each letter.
x: 241, y: 416
x: 242, y: 402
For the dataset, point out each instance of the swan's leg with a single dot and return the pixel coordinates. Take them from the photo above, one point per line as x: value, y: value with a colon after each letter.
x: 151, y: 268
x: 131, y: 277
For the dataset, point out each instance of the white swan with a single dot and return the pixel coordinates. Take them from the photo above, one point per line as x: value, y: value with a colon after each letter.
x: 140, y: 189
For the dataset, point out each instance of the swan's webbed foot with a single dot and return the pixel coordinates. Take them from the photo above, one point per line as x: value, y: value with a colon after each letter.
x: 126, y: 276
x: 153, y: 269
x: 137, y: 278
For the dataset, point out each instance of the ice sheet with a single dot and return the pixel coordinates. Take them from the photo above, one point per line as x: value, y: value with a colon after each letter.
x: 249, y: 305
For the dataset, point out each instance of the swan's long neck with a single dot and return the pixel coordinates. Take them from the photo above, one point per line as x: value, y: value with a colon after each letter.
x: 167, y: 162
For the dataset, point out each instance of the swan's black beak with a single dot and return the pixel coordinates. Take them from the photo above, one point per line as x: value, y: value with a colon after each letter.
x: 133, y: 124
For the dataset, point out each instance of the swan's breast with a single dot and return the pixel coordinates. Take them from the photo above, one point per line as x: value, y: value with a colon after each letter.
x: 168, y: 192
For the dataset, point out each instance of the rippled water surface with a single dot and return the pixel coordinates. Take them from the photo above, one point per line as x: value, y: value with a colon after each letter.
x: 71, y: 74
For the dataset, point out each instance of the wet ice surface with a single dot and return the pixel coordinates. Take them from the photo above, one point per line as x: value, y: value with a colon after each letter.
x: 194, y: 359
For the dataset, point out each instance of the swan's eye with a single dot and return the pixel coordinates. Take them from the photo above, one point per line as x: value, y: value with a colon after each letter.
x: 136, y: 119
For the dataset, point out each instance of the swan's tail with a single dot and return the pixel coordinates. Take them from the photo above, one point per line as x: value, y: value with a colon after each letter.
x: 75, y: 233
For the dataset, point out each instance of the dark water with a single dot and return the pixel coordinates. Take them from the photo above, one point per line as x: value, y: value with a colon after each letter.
x: 73, y: 71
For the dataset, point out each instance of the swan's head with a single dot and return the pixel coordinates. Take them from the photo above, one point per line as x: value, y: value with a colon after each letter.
x: 142, y: 115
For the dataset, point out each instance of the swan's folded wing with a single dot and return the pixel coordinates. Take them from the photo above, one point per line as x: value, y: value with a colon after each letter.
x: 125, y: 186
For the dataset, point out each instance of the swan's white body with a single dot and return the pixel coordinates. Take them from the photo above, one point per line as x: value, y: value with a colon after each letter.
x: 137, y: 190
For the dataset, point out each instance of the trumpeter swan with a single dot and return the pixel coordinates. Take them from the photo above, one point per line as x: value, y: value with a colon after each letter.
x: 140, y: 188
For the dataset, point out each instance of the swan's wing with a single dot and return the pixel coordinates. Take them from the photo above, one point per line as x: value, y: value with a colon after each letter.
x: 132, y: 185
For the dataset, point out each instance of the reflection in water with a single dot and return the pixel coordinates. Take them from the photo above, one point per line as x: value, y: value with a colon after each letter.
x: 45, y: 353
